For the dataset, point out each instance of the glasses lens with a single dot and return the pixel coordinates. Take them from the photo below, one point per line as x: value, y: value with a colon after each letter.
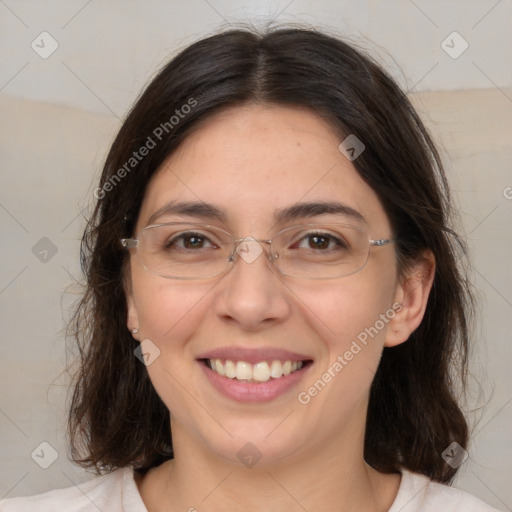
x: 184, y: 251
x: 321, y: 251
x: 195, y: 251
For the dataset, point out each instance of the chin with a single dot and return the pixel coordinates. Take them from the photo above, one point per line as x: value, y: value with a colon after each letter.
x: 256, y: 443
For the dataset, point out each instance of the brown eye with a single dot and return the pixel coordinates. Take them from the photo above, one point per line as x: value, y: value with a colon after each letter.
x: 318, y: 242
x: 189, y: 241
x: 193, y: 242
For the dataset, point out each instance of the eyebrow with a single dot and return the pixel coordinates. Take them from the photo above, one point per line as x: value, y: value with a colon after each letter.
x: 312, y: 209
x: 189, y: 209
x: 282, y: 215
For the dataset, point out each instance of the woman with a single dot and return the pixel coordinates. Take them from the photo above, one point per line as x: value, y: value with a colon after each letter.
x: 274, y: 314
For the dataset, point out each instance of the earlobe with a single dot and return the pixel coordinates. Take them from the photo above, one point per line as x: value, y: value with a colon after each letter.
x: 132, y: 320
x: 132, y: 316
x: 412, y: 293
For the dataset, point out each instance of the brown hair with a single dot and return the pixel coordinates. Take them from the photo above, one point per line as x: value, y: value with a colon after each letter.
x: 116, y: 418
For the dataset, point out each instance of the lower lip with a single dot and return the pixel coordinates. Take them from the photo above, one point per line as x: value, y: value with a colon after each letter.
x: 253, y: 392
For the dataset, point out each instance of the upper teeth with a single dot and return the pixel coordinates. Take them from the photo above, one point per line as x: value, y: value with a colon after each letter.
x: 260, y: 371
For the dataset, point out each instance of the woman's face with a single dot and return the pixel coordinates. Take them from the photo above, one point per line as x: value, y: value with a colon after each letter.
x: 250, y: 163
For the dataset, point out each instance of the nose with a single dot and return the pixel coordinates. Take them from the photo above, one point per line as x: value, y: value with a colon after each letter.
x: 253, y: 294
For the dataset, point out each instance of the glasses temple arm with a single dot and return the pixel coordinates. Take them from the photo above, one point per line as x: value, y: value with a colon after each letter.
x: 129, y: 243
x: 382, y: 241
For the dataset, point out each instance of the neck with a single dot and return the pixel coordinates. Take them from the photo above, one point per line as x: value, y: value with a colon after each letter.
x: 329, y: 478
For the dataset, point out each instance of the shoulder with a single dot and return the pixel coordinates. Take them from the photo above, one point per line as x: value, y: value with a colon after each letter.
x: 417, y: 493
x: 115, y: 491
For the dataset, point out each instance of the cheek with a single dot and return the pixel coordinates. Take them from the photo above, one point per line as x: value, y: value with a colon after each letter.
x: 167, y: 309
x: 340, y: 311
x: 351, y: 318
x: 169, y: 314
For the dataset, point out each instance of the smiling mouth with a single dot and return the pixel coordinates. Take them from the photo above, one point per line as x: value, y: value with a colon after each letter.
x: 260, y: 372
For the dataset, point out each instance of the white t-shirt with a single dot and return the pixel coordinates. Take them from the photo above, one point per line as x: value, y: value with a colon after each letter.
x: 117, y: 492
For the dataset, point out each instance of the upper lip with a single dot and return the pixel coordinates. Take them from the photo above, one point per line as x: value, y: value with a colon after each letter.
x: 253, y: 355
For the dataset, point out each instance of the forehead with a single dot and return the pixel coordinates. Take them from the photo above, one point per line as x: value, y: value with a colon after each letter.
x: 255, y: 159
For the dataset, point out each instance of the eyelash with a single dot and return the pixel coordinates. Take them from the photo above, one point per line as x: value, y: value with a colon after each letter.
x: 190, y: 234
x: 337, y: 240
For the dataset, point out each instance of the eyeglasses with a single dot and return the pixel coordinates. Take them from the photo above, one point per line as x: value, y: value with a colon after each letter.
x: 178, y: 250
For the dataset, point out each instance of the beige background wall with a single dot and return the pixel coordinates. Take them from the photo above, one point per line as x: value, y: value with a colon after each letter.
x: 58, y: 116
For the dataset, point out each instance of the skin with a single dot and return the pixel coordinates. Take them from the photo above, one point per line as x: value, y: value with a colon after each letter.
x: 249, y: 161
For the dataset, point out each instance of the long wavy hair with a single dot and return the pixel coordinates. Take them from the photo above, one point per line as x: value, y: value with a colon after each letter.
x: 116, y: 418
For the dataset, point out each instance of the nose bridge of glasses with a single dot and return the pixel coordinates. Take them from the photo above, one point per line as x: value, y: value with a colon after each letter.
x: 252, y: 239
x: 248, y: 248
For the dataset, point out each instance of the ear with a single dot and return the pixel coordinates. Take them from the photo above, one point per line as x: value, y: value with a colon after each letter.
x: 132, y: 316
x: 412, y: 294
